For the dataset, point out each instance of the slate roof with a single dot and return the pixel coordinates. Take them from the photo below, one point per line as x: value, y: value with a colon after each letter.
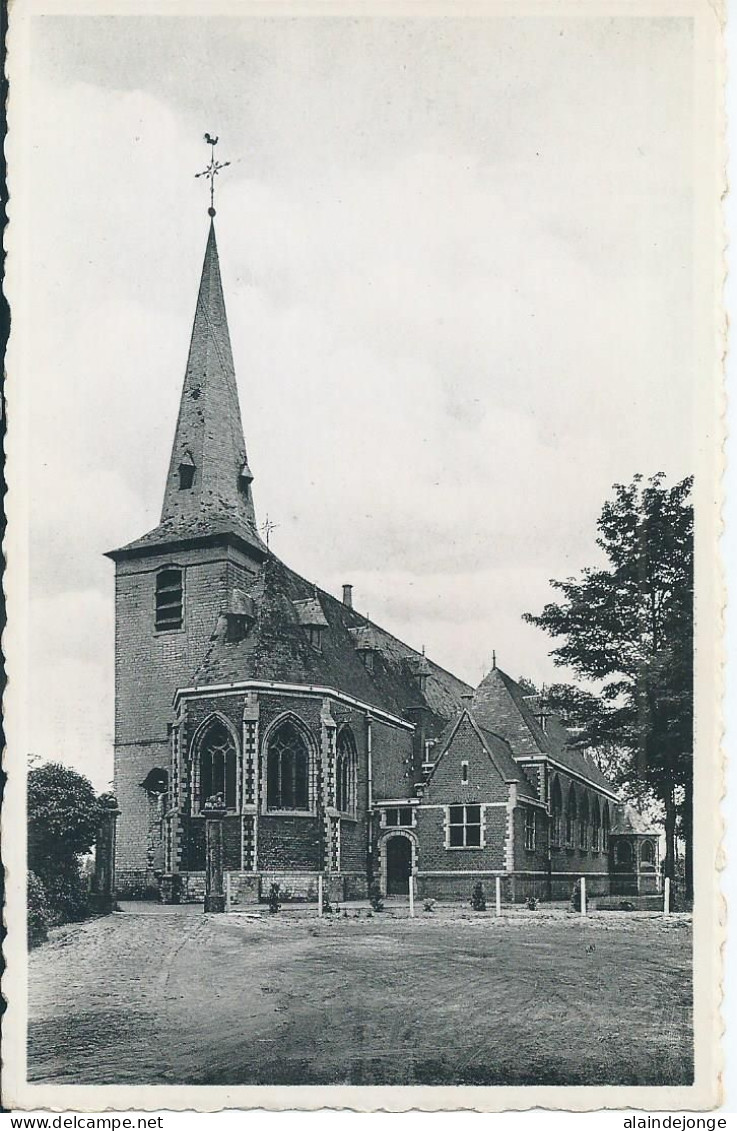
x: 209, y: 436
x: 501, y: 704
x: 277, y: 648
x: 505, y: 758
x: 628, y: 821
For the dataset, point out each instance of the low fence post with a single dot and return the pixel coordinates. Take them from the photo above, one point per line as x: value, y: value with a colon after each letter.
x: 583, y: 895
x: 227, y: 891
x: 319, y: 895
x: 498, y: 895
x: 411, y: 896
x: 666, y: 896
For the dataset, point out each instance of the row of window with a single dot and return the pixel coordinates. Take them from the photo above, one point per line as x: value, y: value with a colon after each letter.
x: 578, y: 824
x: 288, y: 768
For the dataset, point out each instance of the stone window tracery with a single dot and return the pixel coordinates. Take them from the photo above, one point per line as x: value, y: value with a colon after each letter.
x: 217, y: 765
x: 346, y: 770
x: 287, y: 769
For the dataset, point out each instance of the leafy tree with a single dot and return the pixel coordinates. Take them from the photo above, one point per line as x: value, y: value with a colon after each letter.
x: 37, y: 911
x: 628, y: 625
x: 63, y: 814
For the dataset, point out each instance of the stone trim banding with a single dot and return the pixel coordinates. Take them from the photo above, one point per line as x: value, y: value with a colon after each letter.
x: 294, y: 689
x: 534, y: 759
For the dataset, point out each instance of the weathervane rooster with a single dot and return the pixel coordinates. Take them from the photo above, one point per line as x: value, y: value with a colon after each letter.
x: 212, y: 171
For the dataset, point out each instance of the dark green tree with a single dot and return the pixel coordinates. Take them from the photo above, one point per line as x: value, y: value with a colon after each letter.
x: 628, y: 626
x: 63, y: 813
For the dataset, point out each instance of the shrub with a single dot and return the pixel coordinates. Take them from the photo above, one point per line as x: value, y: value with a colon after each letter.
x: 274, y: 904
x: 478, y: 899
x: 532, y: 903
x: 429, y: 904
x: 37, y: 911
x: 66, y: 893
x: 375, y: 896
x: 63, y: 815
x: 576, y: 896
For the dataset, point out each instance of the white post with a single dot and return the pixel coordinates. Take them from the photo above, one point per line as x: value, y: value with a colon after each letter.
x: 583, y: 895
x: 411, y: 896
x: 498, y: 895
x: 666, y: 896
x: 227, y: 892
x: 319, y: 895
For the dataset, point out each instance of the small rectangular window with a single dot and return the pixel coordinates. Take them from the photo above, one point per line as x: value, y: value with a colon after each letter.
x: 464, y: 773
x: 464, y: 826
x: 398, y: 818
x: 168, y: 599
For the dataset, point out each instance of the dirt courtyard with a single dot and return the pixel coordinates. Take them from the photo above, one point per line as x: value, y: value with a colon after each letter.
x: 173, y: 996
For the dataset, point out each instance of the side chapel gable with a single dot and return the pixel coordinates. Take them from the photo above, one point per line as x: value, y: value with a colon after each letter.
x: 467, y: 768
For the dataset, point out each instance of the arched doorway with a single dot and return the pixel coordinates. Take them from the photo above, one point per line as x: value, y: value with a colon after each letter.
x: 398, y: 865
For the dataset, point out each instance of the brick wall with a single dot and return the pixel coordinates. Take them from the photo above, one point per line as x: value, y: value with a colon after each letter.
x: 150, y: 666
x: 291, y: 843
x: 134, y: 824
x: 485, y: 783
x: 485, y: 787
x: 536, y: 859
x: 457, y: 888
x: 391, y: 756
x: 433, y: 856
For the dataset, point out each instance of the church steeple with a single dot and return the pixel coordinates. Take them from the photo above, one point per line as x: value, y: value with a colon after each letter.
x: 208, y: 471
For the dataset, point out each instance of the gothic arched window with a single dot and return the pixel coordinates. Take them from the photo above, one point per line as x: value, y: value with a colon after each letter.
x: 346, y: 770
x: 583, y: 823
x: 217, y: 757
x: 596, y: 826
x: 287, y: 769
x: 556, y: 811
x: 647, y: 852
x: 605, y: 828
x: 571, y: 814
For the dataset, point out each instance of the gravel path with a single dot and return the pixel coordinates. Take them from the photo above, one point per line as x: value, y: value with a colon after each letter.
x: 158, y: 998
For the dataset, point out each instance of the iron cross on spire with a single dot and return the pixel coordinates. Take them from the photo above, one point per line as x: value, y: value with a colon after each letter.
x: 267, y: 528
x: 212, y: 171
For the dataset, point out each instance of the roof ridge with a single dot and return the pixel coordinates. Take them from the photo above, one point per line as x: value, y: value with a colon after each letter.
x: 362, y: 620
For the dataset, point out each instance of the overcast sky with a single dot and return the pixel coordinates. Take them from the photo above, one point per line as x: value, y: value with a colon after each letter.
x: 457, y: 261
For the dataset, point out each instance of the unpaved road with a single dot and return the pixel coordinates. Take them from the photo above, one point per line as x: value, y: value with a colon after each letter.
x: 184, y: 998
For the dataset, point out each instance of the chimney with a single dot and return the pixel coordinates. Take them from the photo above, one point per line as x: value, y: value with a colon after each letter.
x: 348, y: 596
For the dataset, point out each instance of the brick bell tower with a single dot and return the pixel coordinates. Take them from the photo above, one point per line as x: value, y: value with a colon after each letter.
x: 173, y: 583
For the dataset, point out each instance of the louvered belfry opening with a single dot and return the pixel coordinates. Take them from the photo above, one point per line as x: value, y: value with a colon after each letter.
x: 169, y: 593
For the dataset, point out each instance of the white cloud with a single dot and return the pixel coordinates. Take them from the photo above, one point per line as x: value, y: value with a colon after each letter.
x: 456, y: 257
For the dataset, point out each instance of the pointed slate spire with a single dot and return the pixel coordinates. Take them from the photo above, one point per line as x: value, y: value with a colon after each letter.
x: 209, y: 477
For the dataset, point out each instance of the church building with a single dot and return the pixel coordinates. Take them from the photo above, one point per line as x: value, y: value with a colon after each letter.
x: 335, y: 748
